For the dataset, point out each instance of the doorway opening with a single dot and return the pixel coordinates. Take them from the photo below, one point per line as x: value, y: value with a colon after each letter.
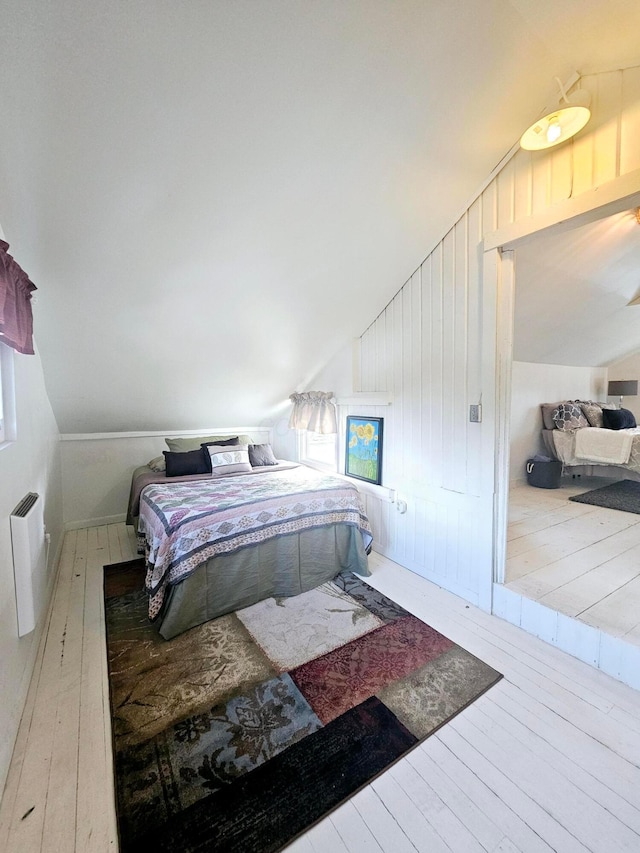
x: 564, y: 328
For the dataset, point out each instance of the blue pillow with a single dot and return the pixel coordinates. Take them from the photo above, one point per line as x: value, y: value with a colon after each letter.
x: 618, y: 419
x: 191, y: 462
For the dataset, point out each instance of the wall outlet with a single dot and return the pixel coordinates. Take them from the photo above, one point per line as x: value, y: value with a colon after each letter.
x: 475, y: 414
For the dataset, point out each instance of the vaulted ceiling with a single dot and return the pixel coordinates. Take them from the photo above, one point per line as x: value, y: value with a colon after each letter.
x: 573, y: 294
x: 214, y: 196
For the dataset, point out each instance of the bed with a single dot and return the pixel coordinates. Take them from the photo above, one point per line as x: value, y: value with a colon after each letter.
x: 217, y: 542
x: 592, y: 439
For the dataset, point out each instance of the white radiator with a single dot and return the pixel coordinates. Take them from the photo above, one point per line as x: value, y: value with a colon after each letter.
x: 29, y: 544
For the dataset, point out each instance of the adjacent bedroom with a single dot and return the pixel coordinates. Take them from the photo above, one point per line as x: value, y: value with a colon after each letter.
x: 573, y: 541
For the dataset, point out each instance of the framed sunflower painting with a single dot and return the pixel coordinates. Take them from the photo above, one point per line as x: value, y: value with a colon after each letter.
x: 363, y: 457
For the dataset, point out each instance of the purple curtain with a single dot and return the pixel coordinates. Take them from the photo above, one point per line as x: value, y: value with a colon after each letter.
x: 16, y: 319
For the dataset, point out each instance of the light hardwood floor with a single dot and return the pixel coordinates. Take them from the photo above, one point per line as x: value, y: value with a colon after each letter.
x: 580, y: 560
x: 548, y: 759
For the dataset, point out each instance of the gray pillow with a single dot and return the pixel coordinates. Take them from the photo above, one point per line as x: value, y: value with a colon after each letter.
x: 547, y: 414
x: 261, y: 454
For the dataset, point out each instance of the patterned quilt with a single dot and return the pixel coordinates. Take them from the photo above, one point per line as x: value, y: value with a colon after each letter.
x: 184, y: 524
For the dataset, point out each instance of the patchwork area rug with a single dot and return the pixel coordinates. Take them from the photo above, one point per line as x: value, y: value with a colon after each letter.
x: 240, y: 734
x: 624, y: 495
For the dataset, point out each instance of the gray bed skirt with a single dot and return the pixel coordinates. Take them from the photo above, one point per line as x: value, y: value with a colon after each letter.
x: 287, y: 565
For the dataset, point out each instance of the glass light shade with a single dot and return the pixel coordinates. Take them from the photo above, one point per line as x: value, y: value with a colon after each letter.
x: 556, y: 127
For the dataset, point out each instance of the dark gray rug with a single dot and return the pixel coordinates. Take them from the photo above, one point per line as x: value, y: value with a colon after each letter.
x: 624, y: 495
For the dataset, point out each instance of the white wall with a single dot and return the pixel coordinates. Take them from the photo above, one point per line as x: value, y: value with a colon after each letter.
x: 30, y: 464
x: 337, y: 374
x: 628, y: 368
x: 533, y: 384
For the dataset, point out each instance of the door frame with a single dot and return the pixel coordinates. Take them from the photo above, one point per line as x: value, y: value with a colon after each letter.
x: 499, y: 282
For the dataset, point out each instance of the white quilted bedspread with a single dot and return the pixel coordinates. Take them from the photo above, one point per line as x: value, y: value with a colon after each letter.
x: 618, y: 447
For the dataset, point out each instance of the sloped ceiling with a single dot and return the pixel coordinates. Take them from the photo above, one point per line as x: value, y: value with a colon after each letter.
x: 573, y: 292
x: 214, y: 197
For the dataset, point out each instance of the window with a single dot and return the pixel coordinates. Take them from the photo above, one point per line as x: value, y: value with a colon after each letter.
x: 7, y: 398
x: 319, y: 451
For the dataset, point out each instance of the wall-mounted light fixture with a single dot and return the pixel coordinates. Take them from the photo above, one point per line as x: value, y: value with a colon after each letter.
x: 560, y: 124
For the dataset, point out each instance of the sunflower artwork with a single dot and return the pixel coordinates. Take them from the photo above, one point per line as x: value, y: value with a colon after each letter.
x: 364, y: 449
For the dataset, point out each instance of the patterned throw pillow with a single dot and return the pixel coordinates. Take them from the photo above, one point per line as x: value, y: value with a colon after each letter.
x: 569, y: 416
x: 228, y: 459
x: 593, y: 413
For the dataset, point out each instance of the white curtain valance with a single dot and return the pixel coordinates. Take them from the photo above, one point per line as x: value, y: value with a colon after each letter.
x: 314, y: 411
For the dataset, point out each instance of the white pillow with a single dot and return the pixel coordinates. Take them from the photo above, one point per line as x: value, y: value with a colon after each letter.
x: 158, y: 464
x: 232, y: 459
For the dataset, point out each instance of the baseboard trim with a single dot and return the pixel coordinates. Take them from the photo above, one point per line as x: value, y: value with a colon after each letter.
x: 56, y: 557
x: 95, y: 522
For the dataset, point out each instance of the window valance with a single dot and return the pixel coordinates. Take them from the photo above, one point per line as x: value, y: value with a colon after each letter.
x: 16, y: 318
x: 314, y: 411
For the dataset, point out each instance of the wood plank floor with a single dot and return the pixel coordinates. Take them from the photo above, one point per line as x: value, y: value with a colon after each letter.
x: 548, y: 759
x: 577, y: 559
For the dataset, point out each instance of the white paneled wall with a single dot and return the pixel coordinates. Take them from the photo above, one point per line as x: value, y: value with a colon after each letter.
x: 426, y: 348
